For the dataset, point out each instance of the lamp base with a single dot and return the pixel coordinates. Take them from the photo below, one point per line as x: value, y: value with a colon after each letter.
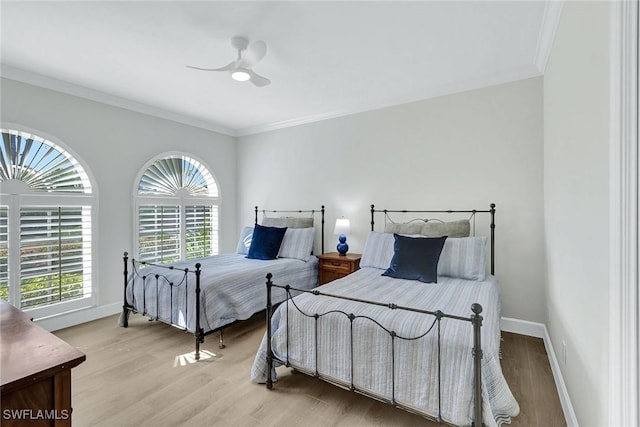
x: 342, y: 246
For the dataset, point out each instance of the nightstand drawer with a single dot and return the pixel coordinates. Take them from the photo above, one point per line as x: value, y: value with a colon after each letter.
x: 336, y: 265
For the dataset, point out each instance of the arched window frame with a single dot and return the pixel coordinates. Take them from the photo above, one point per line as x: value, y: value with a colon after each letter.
x: 181, y: 199
x: 14, y: 197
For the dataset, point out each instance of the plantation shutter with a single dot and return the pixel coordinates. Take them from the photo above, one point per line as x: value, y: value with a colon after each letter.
x: 48, y: 223
x: 159, y: 233
x: 4, y: 254
x: 55, y: 256
x: 201, y: 237
x: 177, y: 211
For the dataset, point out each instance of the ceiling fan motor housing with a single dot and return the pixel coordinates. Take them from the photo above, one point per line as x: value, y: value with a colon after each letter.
x: 239, y: 43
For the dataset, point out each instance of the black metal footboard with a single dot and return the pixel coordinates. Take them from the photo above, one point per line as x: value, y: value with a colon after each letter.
x: 156, y: 279
x: 475, y: 319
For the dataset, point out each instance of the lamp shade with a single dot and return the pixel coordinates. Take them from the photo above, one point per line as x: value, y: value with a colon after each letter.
x: 343, y: 226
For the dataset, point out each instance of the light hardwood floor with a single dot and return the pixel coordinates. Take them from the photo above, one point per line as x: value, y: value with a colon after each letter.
x: 144, y: 376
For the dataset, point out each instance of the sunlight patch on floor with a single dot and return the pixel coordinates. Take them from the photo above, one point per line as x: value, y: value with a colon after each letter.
x: 190, y: 358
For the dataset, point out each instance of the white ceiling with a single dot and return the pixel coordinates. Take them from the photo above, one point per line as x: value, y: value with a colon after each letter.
x: 324, y: 59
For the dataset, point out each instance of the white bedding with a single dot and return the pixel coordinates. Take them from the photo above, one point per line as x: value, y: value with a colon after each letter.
x: 415, y: 361
x: 232, y: 288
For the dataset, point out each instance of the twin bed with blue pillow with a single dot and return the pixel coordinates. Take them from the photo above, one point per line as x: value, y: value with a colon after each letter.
x: 400, y: 329
x: 226, y: 288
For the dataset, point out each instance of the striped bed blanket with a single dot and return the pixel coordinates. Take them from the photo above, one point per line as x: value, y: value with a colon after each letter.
x: 415, y: 361
x: 232, y: 288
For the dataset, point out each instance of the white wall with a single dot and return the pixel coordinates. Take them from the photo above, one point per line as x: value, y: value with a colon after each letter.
x: 576, y: 151
x: 461, y: 151
x: 115, y: 144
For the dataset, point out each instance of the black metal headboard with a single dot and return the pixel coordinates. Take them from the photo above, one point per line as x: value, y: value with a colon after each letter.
x: 311, y: 211
x: 492, y: 211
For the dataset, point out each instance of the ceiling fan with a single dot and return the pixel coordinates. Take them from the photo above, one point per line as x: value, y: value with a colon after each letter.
x: 248, y: 56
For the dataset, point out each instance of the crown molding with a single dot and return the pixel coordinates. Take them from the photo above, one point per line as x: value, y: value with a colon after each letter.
x: 550, y: 21
x: 97, y: 96
x: 448, y: 89
x: 51, y: 83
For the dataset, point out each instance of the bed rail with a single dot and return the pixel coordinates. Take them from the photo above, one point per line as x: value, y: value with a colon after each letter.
x: 475, y: 319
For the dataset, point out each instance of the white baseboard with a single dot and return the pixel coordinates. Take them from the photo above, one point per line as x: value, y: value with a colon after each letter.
x: 523, y: 327
x: 539, y: 330
x: 77, y: 317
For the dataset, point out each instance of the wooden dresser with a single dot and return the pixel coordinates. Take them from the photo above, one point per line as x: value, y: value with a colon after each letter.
x: 35, y: 372
x: 332, y: 266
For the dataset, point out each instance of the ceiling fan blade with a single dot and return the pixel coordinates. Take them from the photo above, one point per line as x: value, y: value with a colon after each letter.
x: 230, y: 66
x: 256, y: 51
x: 257, y: 79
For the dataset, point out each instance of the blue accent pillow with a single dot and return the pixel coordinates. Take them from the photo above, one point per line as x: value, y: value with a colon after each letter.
x: 415, y: 258
x: 266, y: 241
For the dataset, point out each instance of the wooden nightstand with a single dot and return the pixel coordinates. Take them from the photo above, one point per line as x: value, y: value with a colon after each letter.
x: 332, y: 266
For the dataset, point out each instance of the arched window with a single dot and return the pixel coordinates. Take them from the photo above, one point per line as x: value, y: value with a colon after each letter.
x: 176, y: 209
x: 46, y: 225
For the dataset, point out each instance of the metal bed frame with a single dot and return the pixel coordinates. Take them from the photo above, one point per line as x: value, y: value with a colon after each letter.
x: 199, y: 332
x: 475, y: 319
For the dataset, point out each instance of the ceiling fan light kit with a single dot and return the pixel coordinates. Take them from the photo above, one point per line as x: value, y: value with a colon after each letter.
x: 248, y: 56
x: 240, y: 75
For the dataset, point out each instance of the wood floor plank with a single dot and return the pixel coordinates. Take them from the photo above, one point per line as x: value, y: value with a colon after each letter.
x: 539, y: 361
x: 517, y: 369
x: 145, y: 375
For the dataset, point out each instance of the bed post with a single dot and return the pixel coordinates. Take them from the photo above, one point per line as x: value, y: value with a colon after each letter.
x: 199, y: 332
x: 372, y: 212
x: 255, y: 221
x: 493, y: 232
x: 269, y: 353
x: 125, y: 306
x: 322, y: 224
x: 476, y: 320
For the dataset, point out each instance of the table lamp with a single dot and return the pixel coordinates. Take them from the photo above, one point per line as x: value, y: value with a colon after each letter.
x: 343, y: 226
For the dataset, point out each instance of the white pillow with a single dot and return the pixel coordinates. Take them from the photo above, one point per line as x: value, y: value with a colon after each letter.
x: 464, y: 258
x: 245, y: 241
x: 297, y: 243
x: 378, y: 250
